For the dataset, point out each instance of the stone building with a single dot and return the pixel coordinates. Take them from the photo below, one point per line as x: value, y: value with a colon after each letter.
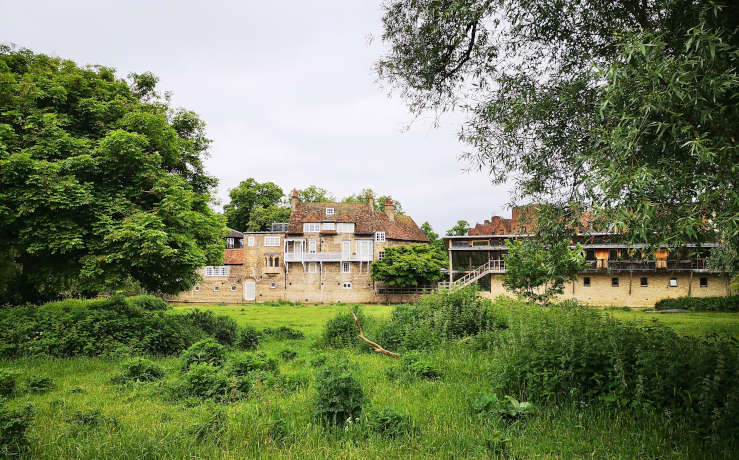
x: 322, y: 255
x: 617, y: 274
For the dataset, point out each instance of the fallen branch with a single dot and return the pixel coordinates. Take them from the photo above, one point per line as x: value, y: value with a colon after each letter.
x: 375, y: 347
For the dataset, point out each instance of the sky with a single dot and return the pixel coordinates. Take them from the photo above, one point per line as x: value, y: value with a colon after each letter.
x: 287, y: 90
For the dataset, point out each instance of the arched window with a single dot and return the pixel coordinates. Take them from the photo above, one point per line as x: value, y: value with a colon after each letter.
x: 277, y: 262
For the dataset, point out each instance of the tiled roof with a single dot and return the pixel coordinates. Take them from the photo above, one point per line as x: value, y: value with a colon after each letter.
x: 494, y: 226
x: 234, y: 234
x: 233, y: 257
x: 366, y: 220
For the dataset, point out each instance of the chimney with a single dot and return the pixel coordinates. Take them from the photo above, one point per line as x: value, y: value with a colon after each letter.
x: 390, y: 208
x: 294, y: 200
x: 371, y: 201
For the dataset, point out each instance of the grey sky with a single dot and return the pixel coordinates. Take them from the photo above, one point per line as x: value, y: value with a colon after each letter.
x: 287, y: 90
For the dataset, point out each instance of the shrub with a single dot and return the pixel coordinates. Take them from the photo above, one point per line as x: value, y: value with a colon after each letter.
x: 13, y: 427
x: 38, y: 384
x: 413, y: 365
x: 339, y: 396
x: 341, y: 330
x: 319, y: 360
x: 388, y: 422
x: 250, y: 362
x: 509, y: 408
x: 148, y: 302
x: 288, y: 355
x: 8, y: 383
x: 224, y: 329
x: 728, y: 304
x: 206, y: 351
x: 203, y: 380
x: 283, y: 333
x: 248, y: 338
x: 584, y: 355
x: 139, y: 370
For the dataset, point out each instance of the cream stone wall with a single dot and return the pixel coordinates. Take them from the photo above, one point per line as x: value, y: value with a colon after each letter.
x: 629, y: 291
x: 230, y: 288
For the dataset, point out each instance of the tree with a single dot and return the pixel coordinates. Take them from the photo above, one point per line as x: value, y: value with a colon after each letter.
x: 247, y: 197
x: 101, y: 183
x: 262, y: 218
x: 434, y: 239
x: 460, y: 229
x: 538, y: 272
x: 315, y: 194
x: 409, y: 265
x: 364, y: 195
x: 614, y: 104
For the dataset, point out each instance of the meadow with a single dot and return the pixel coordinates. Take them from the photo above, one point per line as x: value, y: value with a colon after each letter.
x: 85, y: 414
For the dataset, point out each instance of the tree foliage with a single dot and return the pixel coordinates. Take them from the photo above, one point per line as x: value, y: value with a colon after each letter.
x: 251, y: 204
x: 433, y: 237
x: 409, y: 265
x: 315, y: 194
x: 628, y: 107
x: 364, y: 195
x: 537, y: 271
x: 101, y: 182
x: 460, y: 229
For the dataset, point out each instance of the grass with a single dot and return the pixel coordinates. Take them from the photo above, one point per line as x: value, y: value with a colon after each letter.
x: 141, y: 421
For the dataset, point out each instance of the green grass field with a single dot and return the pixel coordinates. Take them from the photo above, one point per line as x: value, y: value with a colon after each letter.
x: 143, y: 421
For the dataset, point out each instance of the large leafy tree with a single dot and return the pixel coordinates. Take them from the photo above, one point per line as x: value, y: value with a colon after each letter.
x: 366, y: 193
x: 625, y: 106
x: 249, y: 196
x: 461, y: 228
x: 315, y: 194
x: 409, y: 265
x: 101, y: 183
x: 433, y: 237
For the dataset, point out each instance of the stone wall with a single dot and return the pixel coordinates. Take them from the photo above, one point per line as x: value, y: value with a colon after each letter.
x: 629, y: 291
x: 230, y: 289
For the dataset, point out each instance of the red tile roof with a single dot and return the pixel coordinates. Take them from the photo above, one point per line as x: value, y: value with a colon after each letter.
x: 234, y: 257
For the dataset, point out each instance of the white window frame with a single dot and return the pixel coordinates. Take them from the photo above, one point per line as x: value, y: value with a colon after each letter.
x: 312, y: 246
x: 329, y: 226
x: 345, y: 227
x: 271, y: 241
x: 273, y: 285
x: 361, y: 243
x: 217, y: 271
x: 196, y: 289
x: 346, y: 285
x: 380, y: 255
x: 233, y: 288
x: 250, y: 241
x: 312, y: 267
x: 380, y: 237
x: 346, y: 267
x: 671, y: 284
x: 230, y: 243
x: 330, y: 211
x: 311, y: 227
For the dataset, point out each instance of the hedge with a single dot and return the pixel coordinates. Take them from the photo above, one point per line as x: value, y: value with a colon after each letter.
x: 728, y: 304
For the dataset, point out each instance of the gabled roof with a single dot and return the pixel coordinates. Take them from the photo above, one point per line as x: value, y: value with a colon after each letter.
x: 366, y: 220
x: 234, y: 233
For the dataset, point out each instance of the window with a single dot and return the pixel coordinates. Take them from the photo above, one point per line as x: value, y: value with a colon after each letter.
x: 312, y: 267
x: 380, y: 255
x: 230, y: 243
x: 233, y: 288
x: 673, y: 282
x: 216, y: 271
x: 329, y: 226
x: 311, y: 227
x: 347, y: 285
x: 586, y: 281
x: 613, y: 254
x: 329, y: 211
x: 380, y: 237
x: 312, y: 247
x: 643, y: 281
x: 216, y: 288
x: 704, y: 282
x: 250, y: 240
x: 590, y: 254
x: 196, y: 289
x: 345, y: 267
x: 614, y: 282
x: 345, y: 227
x: 271, y: 240
x: 272, y: 285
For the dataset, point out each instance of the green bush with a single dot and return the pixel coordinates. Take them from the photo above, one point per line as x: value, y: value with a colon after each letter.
x: 415, y: 366
x: 249, y: 362
x: 288, y: 355
x: 139, y: 370
x: 205, y: 351
x: 339, y: 396
x: 388, y: 422
x: 283, y: 333
x: 206, y: 381
x: 148, y: 302
x: 583, y: 355
x: 248, y: 338
x: 8, y: 383
x: 341, y: 330
x: 40, y: 384
x: 223, y: 328
x: 14, y: 425
x: 728, y: 304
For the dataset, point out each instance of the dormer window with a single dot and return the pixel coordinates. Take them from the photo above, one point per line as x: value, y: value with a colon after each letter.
x: 230, y: 243
x: 329, y: 211
x: 311, y: 227
x: 345, y: 227
x: 380, y: 237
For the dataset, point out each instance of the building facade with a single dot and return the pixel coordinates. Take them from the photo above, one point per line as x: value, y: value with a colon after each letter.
x: 616, y: 274
x: 322, y: 255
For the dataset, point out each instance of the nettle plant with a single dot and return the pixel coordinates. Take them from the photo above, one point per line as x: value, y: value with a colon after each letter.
x: 339, y: 396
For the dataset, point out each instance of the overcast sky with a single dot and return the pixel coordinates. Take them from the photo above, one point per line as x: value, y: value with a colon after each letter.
x: 287, y: 90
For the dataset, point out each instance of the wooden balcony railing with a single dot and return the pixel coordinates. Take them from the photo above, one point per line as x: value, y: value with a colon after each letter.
x: 327, y: 257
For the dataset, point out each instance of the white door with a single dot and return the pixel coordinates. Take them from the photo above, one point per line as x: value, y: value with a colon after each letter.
x: 346, y: 249
x: 297, y: 247
x: 364, y: 249
x: 250, y: 290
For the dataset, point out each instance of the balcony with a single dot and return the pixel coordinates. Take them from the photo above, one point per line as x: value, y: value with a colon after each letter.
x: 602, y: 265
x: 271, y: 270
x: 327, y: 257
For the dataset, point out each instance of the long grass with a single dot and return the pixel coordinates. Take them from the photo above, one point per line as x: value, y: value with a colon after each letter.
x: 143, y: 421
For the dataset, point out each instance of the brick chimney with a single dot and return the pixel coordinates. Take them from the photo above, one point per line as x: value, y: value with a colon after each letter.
x: 390, y: 208
x: 371, y: 201
x: 294, y: 200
